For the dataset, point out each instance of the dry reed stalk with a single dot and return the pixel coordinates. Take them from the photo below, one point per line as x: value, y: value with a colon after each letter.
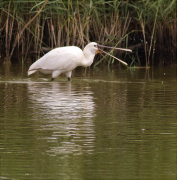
x: 10, y: 30
x: 53, y: 34
x: 74, y: 33
x: 28, y: 40
x: 7, y: 34
x: 118, y: 27
x: 81, y: 31
x: 41, y: 38
x: 144, y: 36
x: 59, y: 27
x: 77, y: 29
x: 50, y: 31
x: 152, y: 35
x: 67, y: 27
x: 87, y: 31
x: 174, y: 40
x: 36, y: 38
x: 126, y: 26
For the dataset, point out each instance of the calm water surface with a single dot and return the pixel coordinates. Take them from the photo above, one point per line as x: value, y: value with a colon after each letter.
x: 106, y: 124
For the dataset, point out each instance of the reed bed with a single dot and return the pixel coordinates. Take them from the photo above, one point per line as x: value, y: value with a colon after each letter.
x: 30, y: 28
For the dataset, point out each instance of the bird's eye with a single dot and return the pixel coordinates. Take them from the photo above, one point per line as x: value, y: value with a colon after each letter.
x: 94, y: 45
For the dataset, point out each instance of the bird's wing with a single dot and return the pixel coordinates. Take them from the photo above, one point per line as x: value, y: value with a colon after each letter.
x: 58, y: 59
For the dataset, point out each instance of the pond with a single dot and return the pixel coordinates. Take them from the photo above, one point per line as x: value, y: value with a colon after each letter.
x: 107, y: 123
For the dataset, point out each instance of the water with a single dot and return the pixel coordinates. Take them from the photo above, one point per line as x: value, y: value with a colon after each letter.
x: 106, y: 124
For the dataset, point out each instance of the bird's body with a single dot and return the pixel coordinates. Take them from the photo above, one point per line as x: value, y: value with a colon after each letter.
x: 65, y: 59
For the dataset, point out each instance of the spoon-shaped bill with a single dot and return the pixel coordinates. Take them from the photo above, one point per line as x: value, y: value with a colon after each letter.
x: 99, y: 46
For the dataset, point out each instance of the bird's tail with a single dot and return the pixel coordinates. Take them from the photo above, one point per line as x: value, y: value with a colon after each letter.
x: 31, y: 72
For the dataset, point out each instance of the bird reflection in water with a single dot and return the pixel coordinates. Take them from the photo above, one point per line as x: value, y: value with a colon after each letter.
x: 66, y: 112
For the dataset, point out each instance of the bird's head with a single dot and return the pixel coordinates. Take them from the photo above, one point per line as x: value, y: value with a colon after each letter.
x: 95, y: 48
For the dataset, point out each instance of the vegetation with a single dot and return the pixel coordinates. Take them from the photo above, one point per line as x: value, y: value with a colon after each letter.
x: 29, y: 28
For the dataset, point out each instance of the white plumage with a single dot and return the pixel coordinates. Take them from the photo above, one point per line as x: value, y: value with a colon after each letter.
x: 65, y: 59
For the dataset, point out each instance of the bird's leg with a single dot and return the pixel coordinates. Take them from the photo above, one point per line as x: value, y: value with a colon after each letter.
x: 52, y: 79
x: 68, y: 74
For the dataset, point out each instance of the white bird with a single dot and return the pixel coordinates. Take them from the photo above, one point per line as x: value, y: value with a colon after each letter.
x: 65, y: 59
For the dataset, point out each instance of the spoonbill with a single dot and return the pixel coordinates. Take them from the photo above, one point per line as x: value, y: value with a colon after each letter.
x: 65, y: 59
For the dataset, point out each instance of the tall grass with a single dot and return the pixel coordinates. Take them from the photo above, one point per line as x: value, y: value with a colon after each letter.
x: 30, y: 28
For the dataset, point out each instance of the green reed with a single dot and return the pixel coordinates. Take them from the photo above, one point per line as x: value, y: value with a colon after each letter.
x: 29, y: 28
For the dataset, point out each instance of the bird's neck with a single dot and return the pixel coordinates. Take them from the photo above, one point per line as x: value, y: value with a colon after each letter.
x: 88, y: 58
